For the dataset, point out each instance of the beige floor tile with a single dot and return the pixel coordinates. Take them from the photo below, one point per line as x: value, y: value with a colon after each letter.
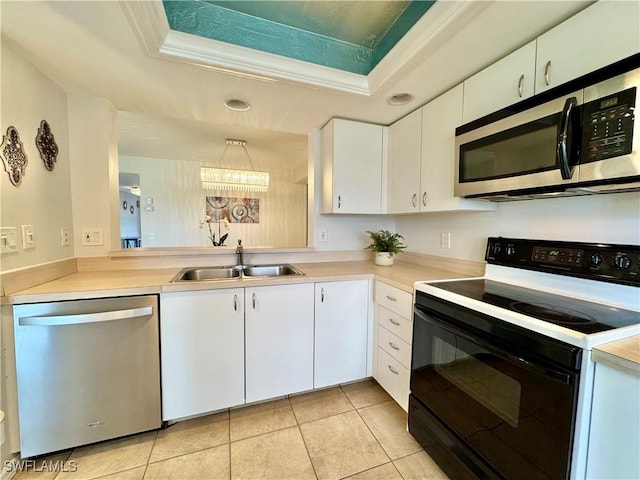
x: 210, y: 464
x: 366, y: 393
x: 45, y: 468
x: 133, y: 474
x: 264, y: 418
x: 321, y: 404
x: 190, y: 436
x: 110, y: 457
x: 419, y: 466
x: 276, y: 455
x: 388, y: 422
x: 341, y: 445
x: 383, y: 472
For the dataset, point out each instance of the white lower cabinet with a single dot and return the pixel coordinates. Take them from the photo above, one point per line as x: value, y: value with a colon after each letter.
x: 202, y: 337
x: 393, y: 337
x: 340, y: 332
x: 278, y: 340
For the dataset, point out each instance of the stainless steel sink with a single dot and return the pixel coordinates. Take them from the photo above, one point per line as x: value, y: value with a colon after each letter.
x: 270, y: 270
x: 203, y: 274
x: 200, y: 274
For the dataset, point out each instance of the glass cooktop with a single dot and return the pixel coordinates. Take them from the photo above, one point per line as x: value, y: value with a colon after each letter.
x: 578, y: 315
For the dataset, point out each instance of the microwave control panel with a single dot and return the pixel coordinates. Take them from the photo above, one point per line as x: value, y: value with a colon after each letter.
x: 608, y: 126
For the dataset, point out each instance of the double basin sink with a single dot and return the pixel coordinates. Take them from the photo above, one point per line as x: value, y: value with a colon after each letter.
x: 201, y: 274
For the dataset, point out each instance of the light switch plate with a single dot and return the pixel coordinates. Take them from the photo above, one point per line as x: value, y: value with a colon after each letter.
x: 92, y: 236
x: 28, y: 237
x: 8, y: 239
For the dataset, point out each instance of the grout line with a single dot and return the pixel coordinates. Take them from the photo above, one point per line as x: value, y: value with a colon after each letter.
x: 306, y: 447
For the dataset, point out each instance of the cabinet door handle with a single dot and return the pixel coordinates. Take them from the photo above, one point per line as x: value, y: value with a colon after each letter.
x: 339, y: 201
x: 394, y: 346
x: 393, y: 299
x: 424, y: 199
x: 322, y: 295
x: 393, y: 370
x: 521, y: 85
x: 547, y: 72
x: 235, y: 303
x: 253, y: 300
x: 414, y: 199
x: 395, y: 322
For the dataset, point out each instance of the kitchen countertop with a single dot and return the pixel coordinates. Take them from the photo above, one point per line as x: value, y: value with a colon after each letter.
x: 622, y: 355
x: 96, y: 284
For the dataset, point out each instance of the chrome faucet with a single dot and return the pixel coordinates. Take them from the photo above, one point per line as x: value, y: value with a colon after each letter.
x: 239, y: 252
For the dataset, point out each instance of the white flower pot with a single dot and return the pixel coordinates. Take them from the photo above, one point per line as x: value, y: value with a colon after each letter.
x: 384, y: 259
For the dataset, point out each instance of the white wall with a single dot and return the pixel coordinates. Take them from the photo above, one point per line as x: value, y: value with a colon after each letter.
x: 179, y: 204
x: 43, y: 199
x: 612, y: 218
x: 344, y: 232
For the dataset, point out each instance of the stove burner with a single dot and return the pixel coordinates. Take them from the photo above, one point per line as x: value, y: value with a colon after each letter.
x: 553, y: 313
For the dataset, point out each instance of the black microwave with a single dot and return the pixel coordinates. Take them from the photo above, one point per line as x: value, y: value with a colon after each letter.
x: 583, y: 142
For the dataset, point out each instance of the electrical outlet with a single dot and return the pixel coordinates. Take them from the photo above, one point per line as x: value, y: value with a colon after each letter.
x: 322, y: 235
x: 92, y: 236
x: 8, y: 239
x: 64, y: 237
x: 28, y: 237
x: 445, y: 240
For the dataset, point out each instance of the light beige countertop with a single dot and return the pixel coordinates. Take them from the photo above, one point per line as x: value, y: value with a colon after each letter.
x: 112, y: 283
x: 622, y: 354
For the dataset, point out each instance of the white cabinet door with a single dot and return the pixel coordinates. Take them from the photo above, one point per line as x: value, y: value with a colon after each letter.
x: 501, y: 84
x: 279, y: 340
x: 440, y: 117
x: 403, y: 178
x: 596, y: 37
x: 202, y: 351
x: 341, y: 312
x: 352, y: 167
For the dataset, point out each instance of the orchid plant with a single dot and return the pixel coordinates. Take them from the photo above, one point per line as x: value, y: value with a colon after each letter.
x: 212, y: 236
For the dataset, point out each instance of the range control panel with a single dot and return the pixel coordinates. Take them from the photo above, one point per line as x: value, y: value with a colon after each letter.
x: 604, y: 262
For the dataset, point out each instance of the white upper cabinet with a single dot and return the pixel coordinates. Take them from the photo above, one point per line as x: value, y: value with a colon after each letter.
x: 504, y: 83
x: 596, y: 37
x: 352, y: 158
x: 440, y: 117
x: 405, y: 149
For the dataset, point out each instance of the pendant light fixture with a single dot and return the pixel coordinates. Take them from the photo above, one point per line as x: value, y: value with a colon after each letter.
x: 235, y: 180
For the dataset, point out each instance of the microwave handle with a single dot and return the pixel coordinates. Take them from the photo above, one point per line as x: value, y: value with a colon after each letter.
x: 563, y: 157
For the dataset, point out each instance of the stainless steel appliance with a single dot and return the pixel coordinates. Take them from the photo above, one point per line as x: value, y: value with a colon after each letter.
x: 501, y: 372
x: 580, y: 142
x: 87, y: 370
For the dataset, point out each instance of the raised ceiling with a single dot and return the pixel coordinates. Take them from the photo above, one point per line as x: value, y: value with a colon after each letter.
x: 346, y: 35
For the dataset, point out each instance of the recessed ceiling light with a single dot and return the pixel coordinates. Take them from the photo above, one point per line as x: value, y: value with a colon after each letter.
x: 237, y: 105
x: 400, y: 98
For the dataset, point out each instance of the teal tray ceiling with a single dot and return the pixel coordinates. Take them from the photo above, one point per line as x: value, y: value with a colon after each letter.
x: 353, y: 36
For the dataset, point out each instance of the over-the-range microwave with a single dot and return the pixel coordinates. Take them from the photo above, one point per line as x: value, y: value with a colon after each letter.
x: 580, y: 143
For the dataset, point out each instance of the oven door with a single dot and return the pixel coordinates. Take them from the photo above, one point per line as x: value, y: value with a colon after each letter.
x: 514, y: 413
x: 531, y: 149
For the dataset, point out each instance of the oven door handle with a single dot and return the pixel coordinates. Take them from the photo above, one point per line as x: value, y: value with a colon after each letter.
x: 563, y: 155
x: 563, y: 377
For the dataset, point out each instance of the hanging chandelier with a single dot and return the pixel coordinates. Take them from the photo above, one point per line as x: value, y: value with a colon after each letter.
x: 235, y: 180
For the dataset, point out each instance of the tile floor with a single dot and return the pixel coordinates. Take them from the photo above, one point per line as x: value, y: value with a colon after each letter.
x: 354, y: 431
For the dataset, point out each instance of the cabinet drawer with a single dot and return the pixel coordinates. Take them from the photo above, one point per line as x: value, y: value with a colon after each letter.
x: 394, y: 299
x: 394, y: 378
x: 396, y: 324
x: 394, y: 346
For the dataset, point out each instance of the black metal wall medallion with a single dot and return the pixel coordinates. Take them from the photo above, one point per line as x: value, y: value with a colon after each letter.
x: 47, y: 145
x: 13, y: 156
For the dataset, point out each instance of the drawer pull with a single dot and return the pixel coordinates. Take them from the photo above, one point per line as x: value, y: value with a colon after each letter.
x: 392, y: 345
x: 393, y: 299
x: 395, y: 322
x: 393, y: 370
x: 235, y: 303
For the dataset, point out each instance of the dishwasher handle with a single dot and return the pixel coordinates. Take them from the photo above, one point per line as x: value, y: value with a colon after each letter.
x: 56, y: 320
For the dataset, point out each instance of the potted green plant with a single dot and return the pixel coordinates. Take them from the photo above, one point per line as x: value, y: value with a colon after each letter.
x: 386, y: 245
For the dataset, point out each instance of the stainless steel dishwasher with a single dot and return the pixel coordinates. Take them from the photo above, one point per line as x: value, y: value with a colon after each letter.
x: 87, y: 370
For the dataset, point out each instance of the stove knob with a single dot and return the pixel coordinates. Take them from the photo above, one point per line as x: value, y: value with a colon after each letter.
x: 511, y: 250
x: 622, y: 262
x: 497, y: 248
x: 596, y: 259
